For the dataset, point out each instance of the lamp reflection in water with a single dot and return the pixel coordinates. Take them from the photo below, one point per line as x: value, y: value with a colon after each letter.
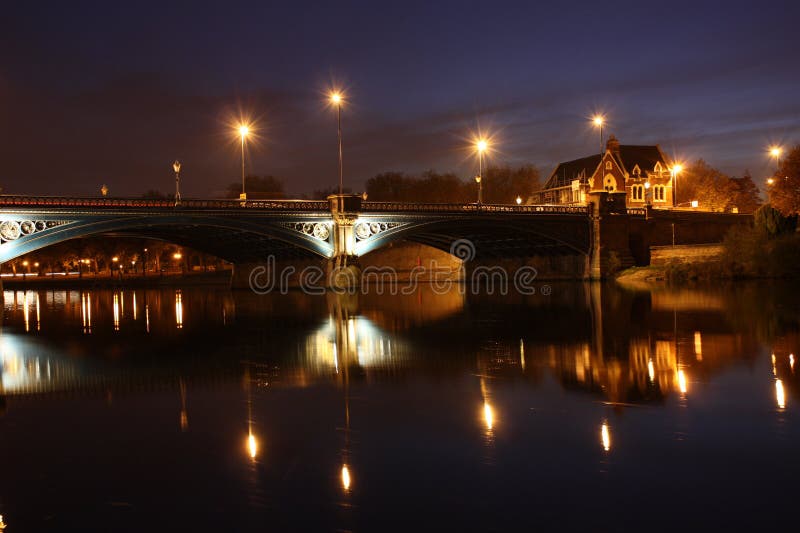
x: 791, y: 362
x: 86, y: 312
x: 522, y: 354
x: 25, y: 311
x: 345, y: 478
x: 605, y: 437
x: 488, y: 411
x: 116, y: 312
x: 780, y: 395
x: 682, y: 385
x: 178, y: 310
x: 651, y: 370
x: 252, y: 442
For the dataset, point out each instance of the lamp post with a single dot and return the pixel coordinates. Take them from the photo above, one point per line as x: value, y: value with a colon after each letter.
x: 244, y: 130
x: 775, y: 152
x: 176, y: 166
x: 598, y: 121
x: 676, y: 169
x: 336, y: 100
x: 481, y: 145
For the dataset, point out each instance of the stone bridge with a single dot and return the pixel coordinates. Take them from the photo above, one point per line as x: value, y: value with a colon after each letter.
x: 342, y: 229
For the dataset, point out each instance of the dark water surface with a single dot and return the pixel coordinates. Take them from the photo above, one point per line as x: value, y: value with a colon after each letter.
x: 594, y: 409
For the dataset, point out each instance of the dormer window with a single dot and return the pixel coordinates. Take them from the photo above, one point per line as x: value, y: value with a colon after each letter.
x: 637, y: 171
x: 658, y: 168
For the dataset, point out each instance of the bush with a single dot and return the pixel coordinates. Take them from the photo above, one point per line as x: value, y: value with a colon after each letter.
x: 772, y: 222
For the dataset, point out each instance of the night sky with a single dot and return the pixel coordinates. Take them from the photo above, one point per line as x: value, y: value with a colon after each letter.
x: 100, y: 93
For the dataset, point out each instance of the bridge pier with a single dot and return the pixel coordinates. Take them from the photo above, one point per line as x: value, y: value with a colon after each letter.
x: 611, y: 249
x: 344, y: 269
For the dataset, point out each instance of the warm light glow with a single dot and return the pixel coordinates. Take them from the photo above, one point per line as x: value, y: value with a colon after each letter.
x: 770, y: 181
x: 682, y: 386
x: 244, y: 130
x: 791, y: 362
x: 695, y: 203
x: 488, y: 416
x: 698, y: 345
x: 780, y: 396
x: 775, y: 151
x: 24, y: 263
x: 651, y: 371
x: 481, y: 145
x: 336, y: 98
x: 646, y: 184
x: 605, y: 437
x: 177, y: 255
x: 252, y: 446
x: 677, y: 169
x: 178, y: 310
x: 345, y: 478
x: 519, y: 200
x: 115, y: 258
x: 598, y: 120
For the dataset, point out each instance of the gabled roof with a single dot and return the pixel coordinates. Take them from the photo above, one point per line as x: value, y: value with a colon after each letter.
x: 630, y: 155
x: 646, y: 157
x: 573, y: 170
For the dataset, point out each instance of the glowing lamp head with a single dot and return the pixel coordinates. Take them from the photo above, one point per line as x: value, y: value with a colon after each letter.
x: 770, y: 181
x: 646, y: 184
x: 176, y: 166
x: 695, y: 203
x: 177, y: 255
x: 775, y: 151
x: 482, y: 145
x: 336, y: 98
x: 519, y: 200
x: 598, y: 120
x: 677, y: 168
x: 244, y: 130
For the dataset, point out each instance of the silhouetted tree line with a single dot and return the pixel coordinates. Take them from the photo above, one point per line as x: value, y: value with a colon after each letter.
x: 784, y: 191
x: 501, y: 185
x: 715, y: 190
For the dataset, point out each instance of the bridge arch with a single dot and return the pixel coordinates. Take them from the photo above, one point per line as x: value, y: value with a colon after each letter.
x: 232, y: 239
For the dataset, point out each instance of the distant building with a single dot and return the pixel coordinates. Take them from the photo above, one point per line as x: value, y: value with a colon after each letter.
x: 622, y: 167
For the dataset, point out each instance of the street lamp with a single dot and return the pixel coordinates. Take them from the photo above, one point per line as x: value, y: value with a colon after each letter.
x: 176, y: 166
x: 481, y: 145
x: 244, y: 130
x: 676, y: 169
x: 647, y: 193
x: 519, y: 200
x: 336, y: 99
x: 598, y: 121
x: 775, y: 151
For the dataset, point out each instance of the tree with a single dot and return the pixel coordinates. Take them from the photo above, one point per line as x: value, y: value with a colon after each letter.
x: 711, y: 188
x: 322, y: 194
x: 745, y: 194
x: 257, y: 187
x: 504, y: 184
x: 784, y: 190
x: 772, y: 222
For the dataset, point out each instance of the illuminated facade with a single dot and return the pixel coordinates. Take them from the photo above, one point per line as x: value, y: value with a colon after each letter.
x: 644, y: 173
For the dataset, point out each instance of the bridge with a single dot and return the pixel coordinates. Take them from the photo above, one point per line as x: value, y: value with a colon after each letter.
x: 339, y: 230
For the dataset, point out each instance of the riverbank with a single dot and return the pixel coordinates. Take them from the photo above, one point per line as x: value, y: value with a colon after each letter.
x: 219, y: 278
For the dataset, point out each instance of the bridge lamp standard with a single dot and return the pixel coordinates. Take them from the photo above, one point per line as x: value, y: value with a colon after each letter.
x: 676, y: 169
x: 176, y: 166
x: 244, y: 131
x: 481, y: 145
x: 598, y: 121
x: 337, y: 99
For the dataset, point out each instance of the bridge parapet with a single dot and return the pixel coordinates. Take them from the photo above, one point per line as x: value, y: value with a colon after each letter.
x: 471, y: 208
x: 116, y: 203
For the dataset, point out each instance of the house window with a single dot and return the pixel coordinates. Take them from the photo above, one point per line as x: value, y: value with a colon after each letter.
x: 638, y: 193
x: 659, y: 194
x: 608, y: 165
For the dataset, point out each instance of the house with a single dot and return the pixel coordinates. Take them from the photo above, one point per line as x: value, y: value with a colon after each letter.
x: 643, y: 172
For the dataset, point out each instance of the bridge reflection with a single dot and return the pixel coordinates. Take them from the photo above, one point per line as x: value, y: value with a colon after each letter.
x: 584, y: 336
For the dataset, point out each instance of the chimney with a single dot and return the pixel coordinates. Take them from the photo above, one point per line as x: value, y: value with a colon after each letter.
x: 613, y: 145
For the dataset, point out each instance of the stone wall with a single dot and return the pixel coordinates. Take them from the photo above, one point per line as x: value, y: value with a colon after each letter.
x: 685, y: 253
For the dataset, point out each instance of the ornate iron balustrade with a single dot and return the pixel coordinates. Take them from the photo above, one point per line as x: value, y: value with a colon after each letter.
x: 637, y: 211
x: 473, y: 208
x: 63, y: 201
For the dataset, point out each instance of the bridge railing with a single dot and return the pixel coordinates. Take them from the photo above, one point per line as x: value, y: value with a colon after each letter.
x: 64, y: 201
x: 472, y: 208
